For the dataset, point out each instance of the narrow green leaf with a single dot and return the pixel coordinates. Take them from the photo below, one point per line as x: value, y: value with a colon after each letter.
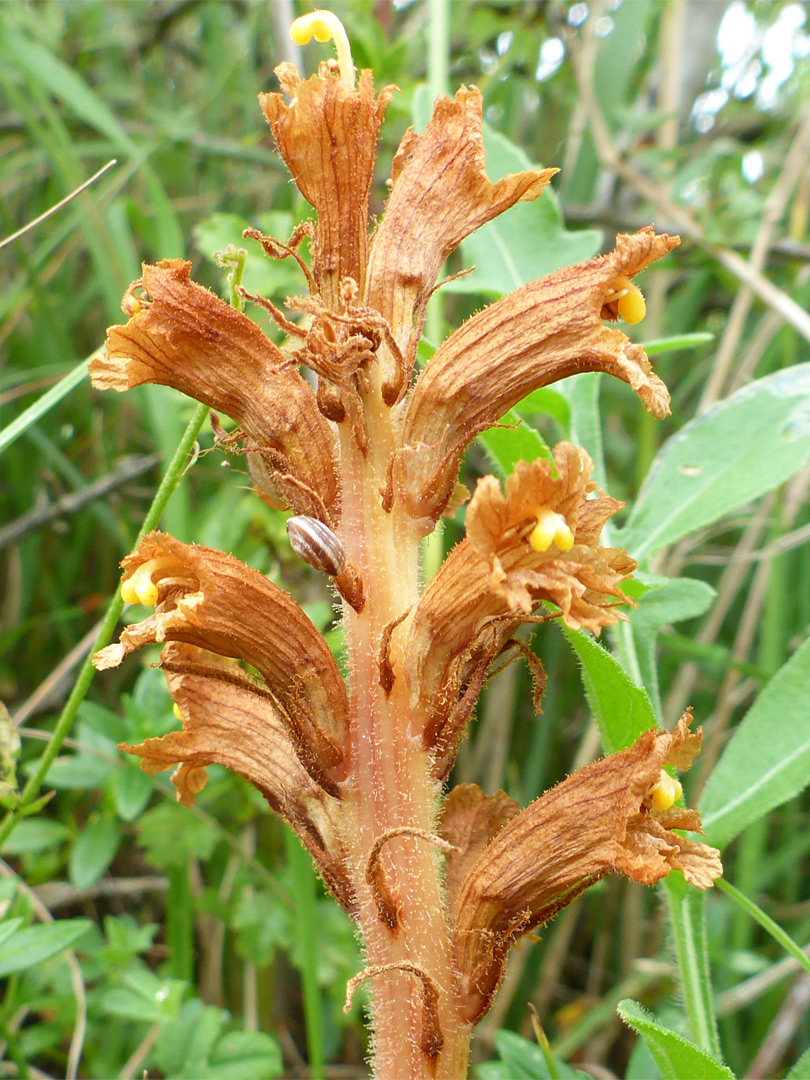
x: 505, y: 446
x: 676, y: 342
x: 767, y: 760
x: 687, y: 918
x: 35, y: 834
x: 132, y: 788
x: 43, y: 404
x: 735, y: 452
x: 621, y: 709
x: 93, y: 852
x: 35, y: 944
x: 675, y: 1056
x: 8, y: 926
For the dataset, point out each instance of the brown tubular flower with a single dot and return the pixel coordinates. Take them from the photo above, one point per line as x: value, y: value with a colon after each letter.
x: 213, y: 601
x: 327, y: 134
x: 440, y: 194
x: 226, y: 722
x: 598, y: 821
x: 181, y: 335
x: 543, y: 332
x: 495, y: 578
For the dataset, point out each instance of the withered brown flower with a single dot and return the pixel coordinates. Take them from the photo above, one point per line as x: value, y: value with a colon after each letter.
x: 495, y: 578
x: 600, y: 820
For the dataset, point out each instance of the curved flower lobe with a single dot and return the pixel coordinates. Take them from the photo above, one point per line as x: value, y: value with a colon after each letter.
x: 227, y: 722
x: 598, y: 821
x: 537, y: 335
x: 440, y: 195
x: 211, y: 600
x: 182, y: 335
x: 327, y: 134
x: 495, y: 578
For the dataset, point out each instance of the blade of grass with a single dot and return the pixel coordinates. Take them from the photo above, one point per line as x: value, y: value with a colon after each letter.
x: 44, y: 404
x: 306, y: 922
x: 766, y: 922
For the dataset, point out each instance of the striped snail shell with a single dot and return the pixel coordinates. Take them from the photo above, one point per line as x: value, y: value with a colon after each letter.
x: 316, y: 544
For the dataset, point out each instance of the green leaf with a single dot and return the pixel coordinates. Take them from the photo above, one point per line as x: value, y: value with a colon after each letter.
x: 8, y: 926
x: 35, y: 944
x: 185, y: 1043
x: 171, y: 836
x: 244, y: 1055
x: 801, y: 1069
x: 35, y: 834
x: 767, y: 760
x: 522, y: 1059
x: 526, y: 242
x: 76, y: 772
x: 145, y: 997
x: 735, y: 452
x: 675, y: 1056
x: 505, y: 446
x: 93, y: 852
x: 664, y: 601
x: 132, y: 789
x: 621, y: 709
x: 43, y: 404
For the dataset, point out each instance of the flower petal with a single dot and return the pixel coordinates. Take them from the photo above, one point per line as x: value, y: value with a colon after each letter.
x: 226, y: 723
x: 213, y: 601
x: 327, y: 134
x: 440, y: 195
x: 596, y: 822
x: 494, y: 579
x: 469, y: 820
x: 184, y: 336
x: 543, y: 332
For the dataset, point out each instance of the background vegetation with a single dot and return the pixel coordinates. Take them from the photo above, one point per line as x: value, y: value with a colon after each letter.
x: 192, y: 933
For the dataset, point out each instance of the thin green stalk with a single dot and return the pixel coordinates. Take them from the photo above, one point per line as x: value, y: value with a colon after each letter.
x: 766, y: 922
x: 306, y: 923
x: 77, y: 695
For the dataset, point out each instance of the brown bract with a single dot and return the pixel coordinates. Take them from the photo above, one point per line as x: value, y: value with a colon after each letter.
x: 213, y: 601
x: 537, y: 335
x: 226, y: 721
x: 186, y: 337
x: 598, y: 821
x: 327, y: 134
x: 440, y: 194
x: 494, y: 579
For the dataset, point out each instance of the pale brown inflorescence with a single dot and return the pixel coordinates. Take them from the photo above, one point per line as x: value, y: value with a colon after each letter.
x: 368, y: 461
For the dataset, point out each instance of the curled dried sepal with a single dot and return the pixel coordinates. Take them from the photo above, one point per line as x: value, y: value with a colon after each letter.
x: 182, y: 335
x: 469, y: 821
x: 327, y: 134
x: 598, y: 821
x: 537, y: 335
x: 228, y: 721
x: 440, y: 194
x: 495, y: 578
x: 213, y: 601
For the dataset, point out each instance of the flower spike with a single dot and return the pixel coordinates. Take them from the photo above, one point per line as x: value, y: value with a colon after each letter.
x: 323, y: 25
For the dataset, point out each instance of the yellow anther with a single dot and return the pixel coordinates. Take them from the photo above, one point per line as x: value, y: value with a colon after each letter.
x: 551, y: 528
x: 176, y: 711
x: 323, y: 25
x: 140, y: 589
x: 666, y: 792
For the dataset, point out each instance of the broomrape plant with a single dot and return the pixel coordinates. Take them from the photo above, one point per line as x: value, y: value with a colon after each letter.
x: 440, y: 883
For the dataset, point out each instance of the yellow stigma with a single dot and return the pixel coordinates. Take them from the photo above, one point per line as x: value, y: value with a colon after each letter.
x: 666, y: 792
x: 551, y: 528
x: 628, y: 299
x: 323, y: 25
x: 140, y: 589
x: 176, y: 711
